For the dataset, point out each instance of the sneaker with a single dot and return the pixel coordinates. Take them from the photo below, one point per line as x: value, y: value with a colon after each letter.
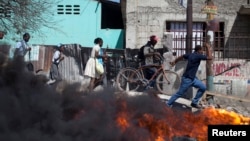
x: 51, y: 82
x: 169, y: 106
x: 196, y: 106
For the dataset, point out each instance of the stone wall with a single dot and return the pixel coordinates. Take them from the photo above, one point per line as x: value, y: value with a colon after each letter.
x: 230, y: 77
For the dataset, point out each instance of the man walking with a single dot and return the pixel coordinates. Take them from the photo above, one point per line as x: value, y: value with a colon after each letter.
x: 22, y: 46
x: 150, y: 56
x: 189, y: 78
x: 56, y: 60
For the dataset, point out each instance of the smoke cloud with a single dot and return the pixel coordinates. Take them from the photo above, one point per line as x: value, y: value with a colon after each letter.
x: 31, y: 110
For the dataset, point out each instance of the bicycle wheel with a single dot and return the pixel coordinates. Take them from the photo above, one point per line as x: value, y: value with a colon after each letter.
x: 128, y: 80
x: 169, y: 83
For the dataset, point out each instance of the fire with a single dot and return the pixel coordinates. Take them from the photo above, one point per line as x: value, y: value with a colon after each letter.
x: 122, y: 121
x: 158, y: 128
x: 37, y: 112
x: 227, y: 117
x: 122, y: 118
x: 179, y: 123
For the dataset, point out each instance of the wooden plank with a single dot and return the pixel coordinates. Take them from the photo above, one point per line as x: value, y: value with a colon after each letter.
x: 180, y: 100
x: 227, y: 96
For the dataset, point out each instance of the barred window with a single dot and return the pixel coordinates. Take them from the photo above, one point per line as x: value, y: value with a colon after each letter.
x: 179, y: 32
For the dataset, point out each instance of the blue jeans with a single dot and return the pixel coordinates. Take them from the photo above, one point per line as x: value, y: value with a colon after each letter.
x: 149, y: 72
x: 185, y: 84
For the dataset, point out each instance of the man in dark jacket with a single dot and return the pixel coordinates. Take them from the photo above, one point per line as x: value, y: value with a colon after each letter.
x: 189, y: 78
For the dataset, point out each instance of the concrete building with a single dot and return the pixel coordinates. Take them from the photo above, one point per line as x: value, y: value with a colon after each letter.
x: 168, y: 20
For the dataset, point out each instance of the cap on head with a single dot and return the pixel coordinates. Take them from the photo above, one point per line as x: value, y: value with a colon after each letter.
x: 154, y: 38
x: 60, y: 45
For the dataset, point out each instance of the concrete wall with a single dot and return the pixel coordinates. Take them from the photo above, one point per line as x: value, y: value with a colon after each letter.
x: 144, y: 18
x: 228, y: 79
x: 236, y: 80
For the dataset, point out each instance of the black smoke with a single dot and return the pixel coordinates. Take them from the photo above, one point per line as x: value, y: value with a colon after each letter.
x: 31, y: 110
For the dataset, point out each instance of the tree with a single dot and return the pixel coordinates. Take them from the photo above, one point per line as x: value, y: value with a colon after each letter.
x: 18, y: 16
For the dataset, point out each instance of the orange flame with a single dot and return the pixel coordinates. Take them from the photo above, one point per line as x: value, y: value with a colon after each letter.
x: 122, y: 121
x: 193, y: 125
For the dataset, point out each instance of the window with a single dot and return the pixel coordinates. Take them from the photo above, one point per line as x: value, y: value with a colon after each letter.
x: 179, y: 32
x: 111, y: 16
x: 5, y: 11
x: 68, y: 9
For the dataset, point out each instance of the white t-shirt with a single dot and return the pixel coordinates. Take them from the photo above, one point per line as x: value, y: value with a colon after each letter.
x: 21, y: 47
x: 56, y: 56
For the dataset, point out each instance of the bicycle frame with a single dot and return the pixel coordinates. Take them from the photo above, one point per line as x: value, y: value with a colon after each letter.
x: 166, y: 81
x: 160, y: 68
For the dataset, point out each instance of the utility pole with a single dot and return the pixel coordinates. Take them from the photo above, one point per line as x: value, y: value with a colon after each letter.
x: 189, y: 36
x: 211, y: 10
x: 189, y: 26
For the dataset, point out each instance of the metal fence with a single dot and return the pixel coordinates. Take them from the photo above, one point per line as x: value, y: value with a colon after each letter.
x: 237, y: 47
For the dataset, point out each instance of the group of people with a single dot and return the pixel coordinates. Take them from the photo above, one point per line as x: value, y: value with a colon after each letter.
x: 22, y: 48
x: 189, y: 78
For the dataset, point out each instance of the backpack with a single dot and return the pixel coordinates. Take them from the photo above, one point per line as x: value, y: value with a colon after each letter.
x: 140, y: 54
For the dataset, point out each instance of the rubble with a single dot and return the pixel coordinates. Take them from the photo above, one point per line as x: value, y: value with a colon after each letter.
x: 233, y: 105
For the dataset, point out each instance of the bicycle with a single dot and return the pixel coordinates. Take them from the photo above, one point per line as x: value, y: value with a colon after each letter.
x: 131, y: 79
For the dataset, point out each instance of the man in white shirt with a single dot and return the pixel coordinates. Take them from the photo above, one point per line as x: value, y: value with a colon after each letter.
x: 22, y: 46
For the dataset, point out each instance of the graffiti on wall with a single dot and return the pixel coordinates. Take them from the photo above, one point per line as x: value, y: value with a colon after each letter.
x: 229, y: 69
x: 231, y: 77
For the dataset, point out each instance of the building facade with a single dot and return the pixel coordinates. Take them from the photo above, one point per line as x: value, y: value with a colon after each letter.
x: 168, y: 20
x: 79, y: 22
